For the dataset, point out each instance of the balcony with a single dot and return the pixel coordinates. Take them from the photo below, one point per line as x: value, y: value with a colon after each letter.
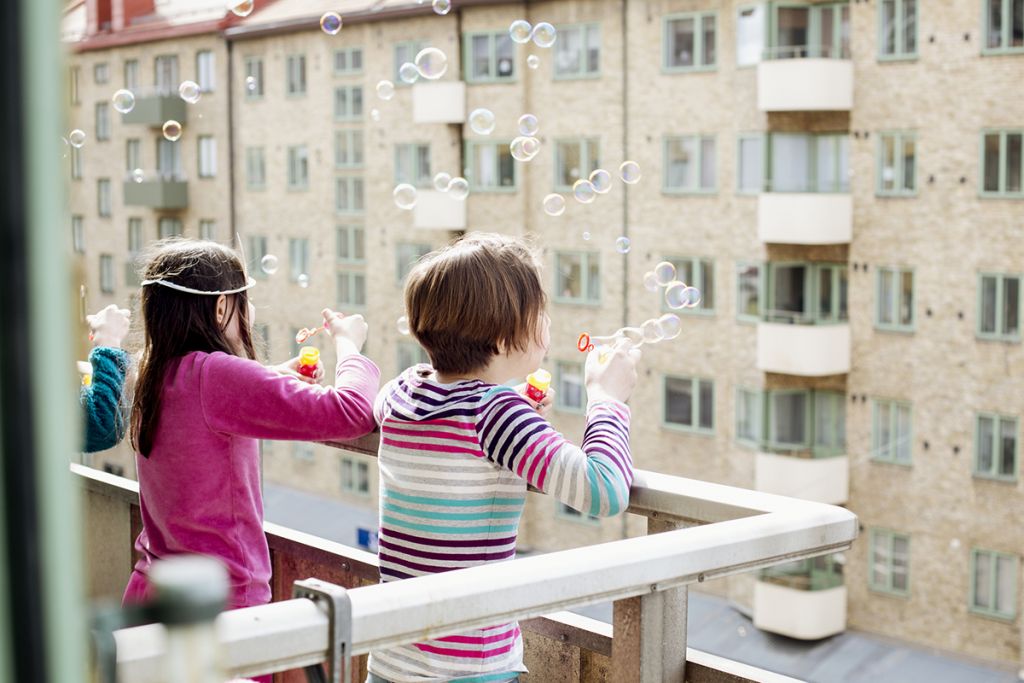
x: 822, y: 479
x: 154, y: 107
x: 804, y: 599
x: 439, y: 102
x: 788, y: 80
x: 438, y: 211
x: 804, y: 218
x: 157, y: 191
x: 803, y: 350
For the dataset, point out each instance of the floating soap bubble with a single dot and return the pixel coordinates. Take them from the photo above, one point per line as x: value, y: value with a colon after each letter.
x: 586, y: 235
x: 330, y: 23
x: 671, y: 326
x: 172, y: 130
x: 241, y: 8
x: 544, y: 34
x: 302, y: 280
x: 77, y: 138
x: 385, y: 90
x: 520, y: 31
x: 458, y: 188
x: 678, y: 295
x: 138, y: 175
x: 583, y: 191
x: 554, y: 205
x: 622, y: 245
x: 441, y: 181
x: 124, y: 101
x: 482, y: 121
x: 403, y: 325
x: 651, y: 282
x: 528, y: 125
x: 524, y: 148
x: 268, y: 264
x: 375, y: 114
x: 741, y: 631
x: 629, y: 171
x: 189, y: 91
x: 250, y: 83
x: 408, y: 73
x: 533, y: 61
x: 442, y: 6
x: 405, y: 196
x: 954, y: 544
x: 652, y: 332
x: 431, y: 63
x: 601, y: 180
x: 665, y: 273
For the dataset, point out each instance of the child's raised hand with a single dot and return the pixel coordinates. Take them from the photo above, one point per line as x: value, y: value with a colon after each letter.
x: 109, y: 326
x: 615, y: 377
x: 350, y: 328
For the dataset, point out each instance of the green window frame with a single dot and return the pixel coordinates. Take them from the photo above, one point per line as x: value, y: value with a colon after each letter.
x: 817, y: 426
x: 349, y: 195
x: 889, y: 562
x: 295, y: 75
x: 823, y: 295
x: 348, y: 61
x: 254, y: 70
x: 255, y: 168
x: 498, y: 57
x: 896, y: 170
x: 586, y: 152
x: 998, y: 22
x: 1002, y: 163
x: 704, y: 30
x: 577, y: 277
x: 751, y: 33
x: 405, y: 51
x: 104, y: 200
x: 897, y: 30
x: 255, y: 250
x: 996, y: 447
x: 351, y: 292
x: 355, y: 476
x: 894, y: 296
x: 412, y: 164
x: 170, y: 227
x: 351, y: 244
x: 298, y: 167
x: 680, y: 175
x: 750, y: 417
x: 699, y: 272
x: 348, y: 103
x: 409, y: 354
x: 570, y: 514
x: 406, y: 256
x: 78, y: 234
x: 751, y: 160
x: 107, y: 283
x: 132, y: 154
x: 999, y: 307
x: 102, y: 121
x: 569, y: 384
x: 793, y: 437
x: 578, y: 52
x: 208, y: 229
x: 813, y: 574
x: 750, y: 291
x: 827, y: 168
x: 701, y: 391
x: 491, y: 167
x: 823, y: 40
x: 892, y: 432
x: 994, y: 578
x: 298, y: 258
x: 348, y: 148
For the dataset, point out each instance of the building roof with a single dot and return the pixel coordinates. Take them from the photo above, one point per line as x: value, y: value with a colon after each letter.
x: 170, y: 19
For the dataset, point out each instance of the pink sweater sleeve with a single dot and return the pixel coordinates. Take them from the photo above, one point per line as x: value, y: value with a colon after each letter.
x: 240, y: 396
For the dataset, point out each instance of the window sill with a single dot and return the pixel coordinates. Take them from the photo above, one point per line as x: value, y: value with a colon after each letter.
x: 493, y: 190
x: 690, y: 312
x: 1002, y: 51
x: 356, y: 494
x: 492, y: 81
x: 576, y: 302
x: 349, y: 212
x: 1000, y: 195
x: 748, y: 319
x: 255, y: 188
x: 994, y: 616
x: 894, y: 329
x: 576, y: 77
x: 897, y: 463
x: 997, y: 478
x: 673, y: 192
x: 298, y: 188
x: 997, y: 338
x: 882, y: 194
x: 896, y: 58
x: 888, y: 592
x: 350, y: 167
x: 674, y: 70
x: 683, y: 429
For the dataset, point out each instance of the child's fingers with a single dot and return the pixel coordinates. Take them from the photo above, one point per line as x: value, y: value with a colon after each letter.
x: 635, y: 355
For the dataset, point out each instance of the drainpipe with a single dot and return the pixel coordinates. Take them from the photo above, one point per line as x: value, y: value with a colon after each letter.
x: 231, y: 145
x: 624, y: 22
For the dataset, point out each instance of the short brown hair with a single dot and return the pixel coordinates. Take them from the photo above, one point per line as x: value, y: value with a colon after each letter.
x: 473, y: 297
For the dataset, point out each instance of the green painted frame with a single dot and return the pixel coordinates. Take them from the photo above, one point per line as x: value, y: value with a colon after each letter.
x: 585, y: 263
x: 421, y: 249
x: 347, y: 232
x: 581, y: 518
x: 761, y: 287
x: 1001, y: 193
x: 992, y: 613
x: 348, y: 71
x: 248, y: 63
x: 814, y: 23
x: 588, y: 159
x: 700, y: 138
x: 812, y: 314
x: 1004, y: 38
x: 349, y: 113
x: 698, y: 42
x: 696, y: 264
x: 760, y: 409
x: 582, y: 73
x: 770, y: 436
x: 418, y: 179
x: 897, y: 272
x: 764, y: 36
x: 414, y: 349
x: 416, y: 46
x: 355, y: 462
x: 900, y: 54
x: 290, y: 185
x: 900, y: 139
x: 695, y: 409
x: 559, y: 395
x: 288, y: 76
x: 873, y: 535
x: 993, y: 474
x: 352, y: 275
x: 998, y: 336
x: 891, y: 407
x: 349, y: 135
x: 351, y: 182
x: 469, y: 159
x: 249, y: 184
x: 812, y: 163
x: 467, y: 53
x: 760, y: 137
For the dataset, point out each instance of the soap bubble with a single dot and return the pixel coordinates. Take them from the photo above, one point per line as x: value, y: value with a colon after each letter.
x: 533, y: 61
x: 954, y: 544
x: 138, y: 175
x: 520, y: 31
x: 385, y: 90
x: 405, y: 196
x: 629, y: 171
x: 408, y: 73
x: 189, y: 91
x: 250, y: 83
x: 124, y: 101
x: 651, y: 281
x: 172, y: 130
x: 441, y: 181
x: 77, y: 138
x: 741, y: 631
x: 544, y: 34
x: 431, y: 63
x: 601, y: 180
x: 524, y: 148
x: 268, y: 264
x: 678, y: 295
x: 671, y: 326
x: 554, y: 205
x: 302, y: 280
x: 652, y: 332
x: 330, y: 23
x: 482, y: 121
x: 375, y: 114
x: 403, y: 325
x: 241, y: 8
x: 664, y: 273
x: 583, y: 191
x: 528, y: 125
x: 442, y: 6
x: 622, y: 245
x: 458, y: 188
x: 586, y: 235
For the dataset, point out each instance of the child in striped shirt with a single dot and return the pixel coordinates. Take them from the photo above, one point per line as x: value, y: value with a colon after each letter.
x: 458, y: 448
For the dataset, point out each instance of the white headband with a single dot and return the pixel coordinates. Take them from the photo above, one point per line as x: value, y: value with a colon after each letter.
x: 181, y: 288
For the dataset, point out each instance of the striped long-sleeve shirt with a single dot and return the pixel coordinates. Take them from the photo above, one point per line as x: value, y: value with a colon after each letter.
x: 455, y: 461
x: 104, y: 415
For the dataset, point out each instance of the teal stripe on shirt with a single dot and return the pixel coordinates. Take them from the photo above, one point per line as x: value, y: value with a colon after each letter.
x: 448, y: 502
x: 434, y: 529
x: 453, y: 516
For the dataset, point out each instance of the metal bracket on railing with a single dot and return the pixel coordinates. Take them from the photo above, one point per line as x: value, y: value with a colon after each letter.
x: 339, y: 615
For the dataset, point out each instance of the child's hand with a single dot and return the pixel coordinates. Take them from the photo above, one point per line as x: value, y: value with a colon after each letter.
x: 291, y: 369
x: 613, y: 379
x: 110, y: 326
x: 544, y: 407
x: 346, y: 327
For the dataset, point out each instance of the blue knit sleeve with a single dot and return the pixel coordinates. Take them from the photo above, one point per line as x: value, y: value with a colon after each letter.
x: 104, y: 416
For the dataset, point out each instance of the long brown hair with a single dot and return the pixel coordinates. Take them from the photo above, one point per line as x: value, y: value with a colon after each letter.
x: 177, y: 323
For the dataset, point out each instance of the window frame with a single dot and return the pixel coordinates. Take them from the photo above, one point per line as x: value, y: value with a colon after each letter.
x: 210, y: 85
x: 289, y: 87
x: 761, y: 274
x: 351, y: 274
x: 467, y: 58
x: 210, y: 170
x: 78, y: 233
x: 696, y: 265
x: 103, y: 127
x: 349, y: 231
x: 698, y: 165
x: 471, y: 147
x: 1001, y: 192
x: 560, y: 405
x: 107, y: 278
x: 760, y: 411
x: 293, y: 158
x: 421, y: 249
x: 416, y: 46
x: 132, y: 152
x: 760, y: 138
x: 994, y: 557
x: 169, y: 220
x: 698, y: 42
x: 255, y: 256
x: 874, y: 535
x: 900, y: 53
x: 350, y: 135
x: 348, y: 70
x: 349, y: 114
x: 811, y: 315
x: 811, y: 175
x: 585, y: 263
x: 251, y: 155
x: 355, y: 465
x: 253, y: 67
x: 1000, y: 321
x: 351, y: 183
x: 1004, y: 38
x: 101, y: 73
x: 130, y: 67
x: 418, y: 179
x: 695, y: 408
x: 74, y: 85
x: 299, y: 246
x: 583, y: 72
x: 109, y: 208
x: 765, y: 441
x: 900, y: 139
x: 207, y: 225
x: 403, y: 346
x: 993, y: 473
x: 891, y: 408
x: 814, y: 23
x: 895, y: 299
x: 75, y: 159
x: 589, y: 152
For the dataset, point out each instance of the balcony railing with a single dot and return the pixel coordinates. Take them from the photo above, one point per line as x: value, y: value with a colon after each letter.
x: 805, y: 78
x: 159, y: 190
x: 805, y: 217
x: 439, y: 211
x: 439, y: 102
x: 155, y: 106
x: 806, y: 350
x: 804, y: 599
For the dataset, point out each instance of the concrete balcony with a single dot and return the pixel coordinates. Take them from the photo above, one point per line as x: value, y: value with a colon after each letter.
x: 823, y: 480
x: 804, y: 218
x: 798, y: 613
x: 805, y: 84
x: 439, y: 102
x: 157, y: 192
x: 803, y: 350
x: 438, y: 211
x: 155, y: 108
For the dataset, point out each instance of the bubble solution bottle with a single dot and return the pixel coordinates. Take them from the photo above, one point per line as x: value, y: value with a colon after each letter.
x: 309, y: 356
x: 537, y: 384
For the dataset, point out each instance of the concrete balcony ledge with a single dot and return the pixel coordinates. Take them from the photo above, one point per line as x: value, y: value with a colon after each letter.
x: 804, y: 218
x: 157, y: 193
x: 438, y: 211
x: 803, y: 350
x: 801, y: 614
x: 439, y: 102
x: 823, y: 480
x: 154, y: 109
x: 808, y: 84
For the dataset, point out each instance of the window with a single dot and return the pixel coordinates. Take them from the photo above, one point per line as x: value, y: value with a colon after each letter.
x: 412, y: 164
x: 1004, y: 26
x: 78, y: 234
x: 897, y: 161
x: 575, y: 160
x: 106, y: 273
x: 134, y: 247
x: 578, y: 51
x: 750, y: 417
x: 74, y: 74
x: 348, y: 195
x: 406, y: 256
x: 564, y: 511
x: 689, y: 42
x: 103, y: 197
x: 813, y: 574
x: 405, y: 52
x: 207, y: 156
x: 699, y: 273
x: 995, y: 447
x: 750, y: 34
x: 165, y: 74
x: 253, y: 78
x: 491, y: 167
x: 298, y: 258
x: 570, y: 395
x: 578, y: 278
x: 76, y: 164
x: 806, y: 422
x: 255, y: 168
x: 828, y: 422
x: 303, y: 451
x: 1002, y: 163
x: 689, y: 164
x: 999, y: 307
x: 296, y: 74
x: 891, y: 432
x: 820, y: 30
x: 889, y: 569
x: 789, y: 420
x: 410, y: 354
x: 131, y: 74
x: 803, y: 162
x: 102, y: 121
x: 750, y: 169
x: 351, y: 290
x: 101, y: 73
x: 351, y: 244
x: 355, y: 476
x: 897, y: 27
x: 807, y: 293
x: 690, y: 404
x: 169, y: 227
x: 348, y: 61
x: 298, y: 168
x: 994, y: 584
x: 208, y: 230
x: 748, y: 291
x: 895, y: 309
x: 261, y: 338
x: 206, y: 76
x: 348, y: 103
x: 256, y: 249
x: 490, y: 57
x: 348, y: 149
x: 168, y: 159
x: 133, y: 154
